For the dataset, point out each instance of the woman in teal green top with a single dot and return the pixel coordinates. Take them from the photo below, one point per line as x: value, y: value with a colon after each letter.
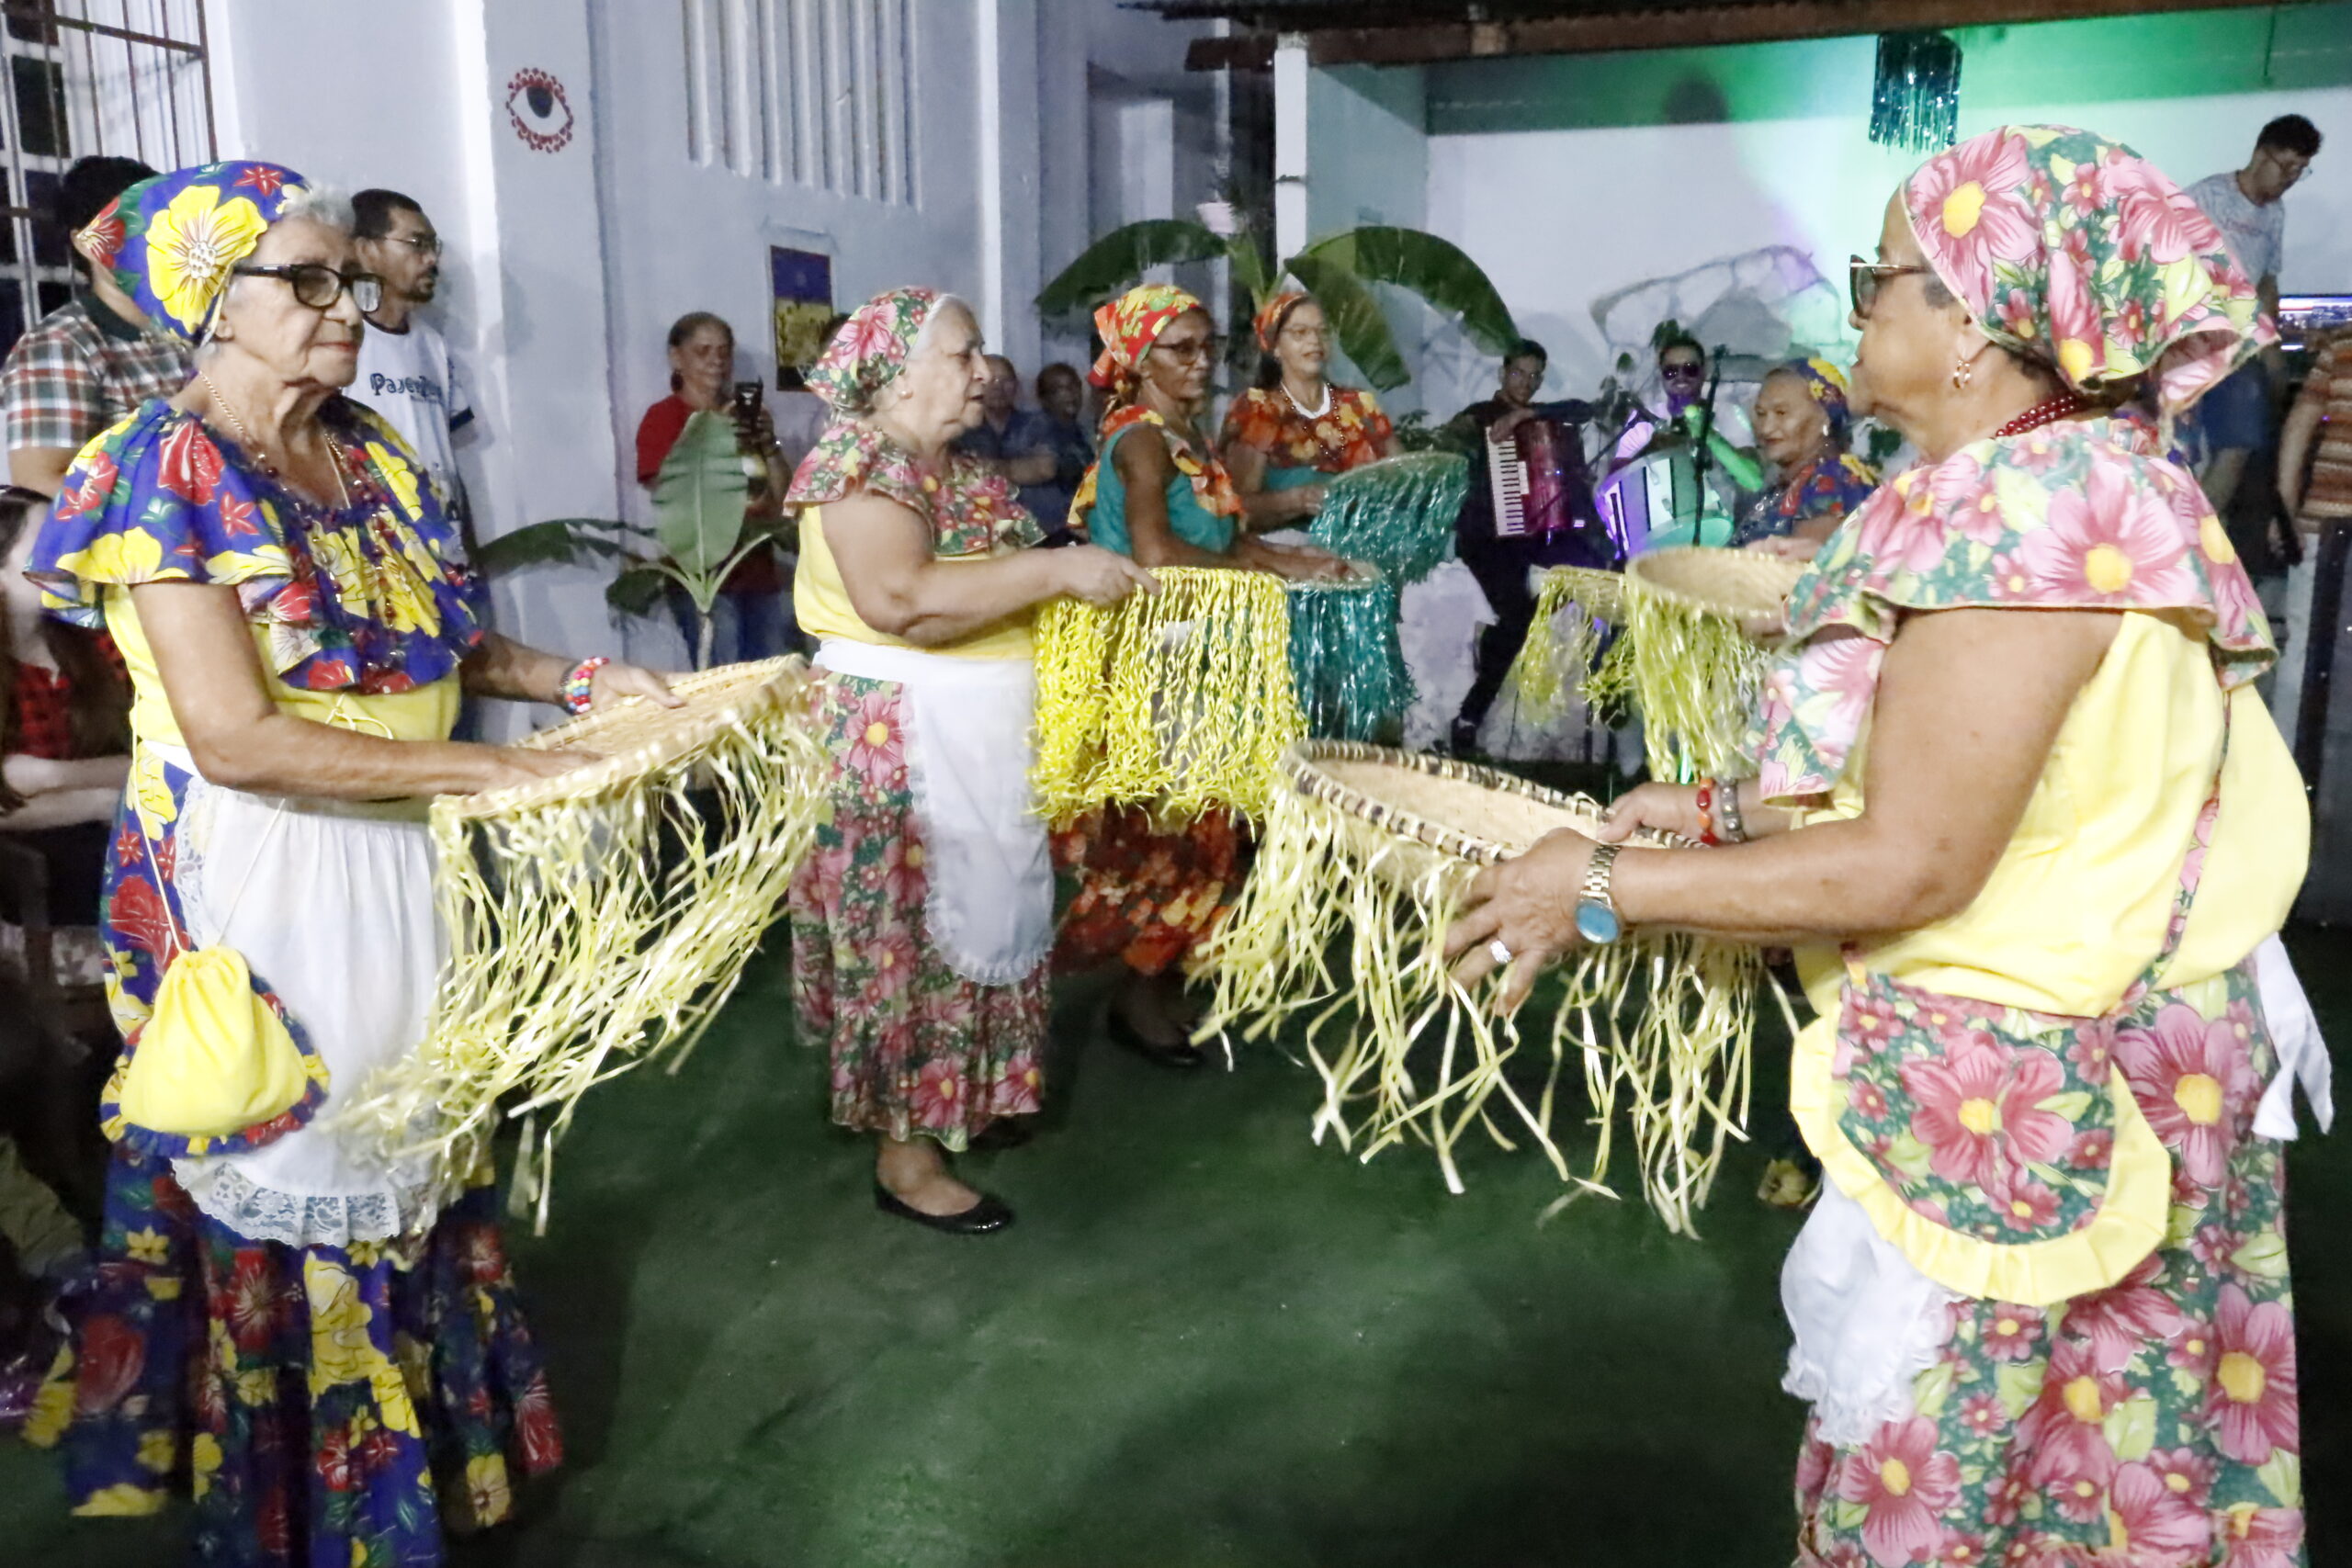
x: 1148, y: 897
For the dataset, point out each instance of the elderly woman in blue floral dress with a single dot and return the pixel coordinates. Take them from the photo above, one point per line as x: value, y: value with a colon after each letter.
x: 923, y: 919
x: 285, y: 1319
x: 2033, y: 833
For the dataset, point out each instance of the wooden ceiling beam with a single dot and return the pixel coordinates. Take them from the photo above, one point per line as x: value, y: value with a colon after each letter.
x: 1691, y: 27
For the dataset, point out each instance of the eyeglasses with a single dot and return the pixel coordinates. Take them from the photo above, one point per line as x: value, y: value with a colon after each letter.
x: 1865, y: 278
x: 1207, y: 348
x: 424, y: 245
x: 319, y: 286
x: 2290, y: 172
x: 1680, y: 372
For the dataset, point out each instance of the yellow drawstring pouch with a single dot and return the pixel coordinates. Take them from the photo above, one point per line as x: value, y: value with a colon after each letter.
x: 214, y: 1059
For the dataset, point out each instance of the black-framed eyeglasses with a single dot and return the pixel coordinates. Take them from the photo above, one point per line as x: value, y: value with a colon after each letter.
x: 1209, y: 347
x: 1685, y: 372
x: 1865, y: 278
x: 319, y: 285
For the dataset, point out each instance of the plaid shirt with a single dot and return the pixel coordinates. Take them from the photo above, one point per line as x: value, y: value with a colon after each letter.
x: 80, y: 369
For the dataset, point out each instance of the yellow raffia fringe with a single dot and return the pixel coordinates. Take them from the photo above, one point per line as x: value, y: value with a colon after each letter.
x: 1182, y: 700
x: 1403, y: 1052
x: 1557, y: 657
x: 1693, y: 674
x: 597, y: 930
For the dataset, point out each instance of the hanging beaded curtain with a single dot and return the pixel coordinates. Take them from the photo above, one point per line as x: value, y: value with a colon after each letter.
x: 1914, y: 103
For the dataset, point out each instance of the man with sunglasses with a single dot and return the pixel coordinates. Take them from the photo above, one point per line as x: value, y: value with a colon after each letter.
x: 406, y: 372
x: 2237, y: 417
x: 93, y: 360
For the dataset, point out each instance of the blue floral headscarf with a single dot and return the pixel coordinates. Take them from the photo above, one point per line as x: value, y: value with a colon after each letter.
x: 173, y: 242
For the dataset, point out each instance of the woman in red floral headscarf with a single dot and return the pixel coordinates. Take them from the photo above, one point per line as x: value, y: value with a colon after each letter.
x: 1293, y: 430
x: 2033, y: 863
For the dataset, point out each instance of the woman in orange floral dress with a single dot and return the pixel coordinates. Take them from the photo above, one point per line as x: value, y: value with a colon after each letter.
x: 1293, y: 430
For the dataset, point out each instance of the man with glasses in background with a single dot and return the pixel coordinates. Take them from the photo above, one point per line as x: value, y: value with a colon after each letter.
x: 94, y: 359
x: 2237, y: 417
x: 405, y: 370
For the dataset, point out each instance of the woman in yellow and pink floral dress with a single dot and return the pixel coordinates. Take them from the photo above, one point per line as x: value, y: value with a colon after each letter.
x: 2033, y: 863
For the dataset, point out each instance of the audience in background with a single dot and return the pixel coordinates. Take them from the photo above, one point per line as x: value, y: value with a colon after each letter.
x: 406, y: 372
x: 750, y: 619
x: 2247, y: 205
x: 1057, y: 426
x: 93, y: 360
x: 1004, y: 441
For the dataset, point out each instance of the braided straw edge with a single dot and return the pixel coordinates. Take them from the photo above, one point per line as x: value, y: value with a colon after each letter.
x: 719, y: 700
x: 1744, y: 585
x: 1302, y: 765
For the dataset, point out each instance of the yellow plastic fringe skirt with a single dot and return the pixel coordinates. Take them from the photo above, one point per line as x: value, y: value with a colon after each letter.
x: 597, y: 919
x: 1564, y: 636
x: 1660, y: 1023
x: 1180, y: 701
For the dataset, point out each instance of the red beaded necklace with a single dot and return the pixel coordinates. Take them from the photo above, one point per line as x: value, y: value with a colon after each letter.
x: 2050, y: 411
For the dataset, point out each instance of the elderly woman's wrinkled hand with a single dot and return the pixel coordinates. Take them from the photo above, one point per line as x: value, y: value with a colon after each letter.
x: 616, y: 681
x: 1668, y: 809
x: 1527, y: 904
x: 504, y: 767
x: 1102, y: 577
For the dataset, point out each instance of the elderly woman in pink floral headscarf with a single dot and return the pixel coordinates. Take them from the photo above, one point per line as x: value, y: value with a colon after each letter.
x: 922, y: 918
x: 2032, y: 865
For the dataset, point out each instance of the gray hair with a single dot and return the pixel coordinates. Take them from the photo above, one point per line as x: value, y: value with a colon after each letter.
x: 939, y: 308
x: 320, y: 204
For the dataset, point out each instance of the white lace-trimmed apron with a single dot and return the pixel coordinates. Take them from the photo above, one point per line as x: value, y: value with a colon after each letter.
x: 330, y: 903
x: 989, y: 904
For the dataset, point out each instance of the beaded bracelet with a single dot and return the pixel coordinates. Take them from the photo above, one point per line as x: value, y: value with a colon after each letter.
x: 1707, y: 813
x: 1734, y: 823
x: 577, y: 692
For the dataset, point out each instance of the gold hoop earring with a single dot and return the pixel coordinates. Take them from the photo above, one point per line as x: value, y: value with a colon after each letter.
x: 1963, y: 373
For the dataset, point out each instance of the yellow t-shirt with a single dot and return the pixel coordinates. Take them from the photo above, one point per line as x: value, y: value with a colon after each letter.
x: 425, y: 713
x: 820, y: 603
x: 2077, y: 905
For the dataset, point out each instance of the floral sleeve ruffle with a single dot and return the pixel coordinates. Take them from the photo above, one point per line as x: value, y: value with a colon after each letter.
x: 971, y: 508
x: 2085, y: 515
x: 375, y: 598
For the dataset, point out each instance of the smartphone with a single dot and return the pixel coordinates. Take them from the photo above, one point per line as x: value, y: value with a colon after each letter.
x: 746, y: 403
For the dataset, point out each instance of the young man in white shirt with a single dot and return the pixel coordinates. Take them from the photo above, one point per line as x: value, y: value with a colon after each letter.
x: 405, y: 370
x: 2246, y: 205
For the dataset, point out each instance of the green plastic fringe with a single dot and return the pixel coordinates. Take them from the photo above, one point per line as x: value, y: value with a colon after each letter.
x: 1397, y: 514
x: 1346, y: 659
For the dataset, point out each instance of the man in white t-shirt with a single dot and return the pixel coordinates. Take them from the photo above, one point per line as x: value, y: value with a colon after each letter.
x: 2246, y: 205
x: 405, y: 370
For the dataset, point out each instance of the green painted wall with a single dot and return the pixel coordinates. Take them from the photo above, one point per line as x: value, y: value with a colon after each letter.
x: 2179, y: 54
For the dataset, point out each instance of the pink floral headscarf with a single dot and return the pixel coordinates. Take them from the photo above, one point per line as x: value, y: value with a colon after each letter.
x: 2081, y: 251
x: 871, y: 349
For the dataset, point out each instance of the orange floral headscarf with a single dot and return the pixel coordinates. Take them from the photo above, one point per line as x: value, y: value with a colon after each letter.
x: 1267, y: 323
x: 1129, y: 325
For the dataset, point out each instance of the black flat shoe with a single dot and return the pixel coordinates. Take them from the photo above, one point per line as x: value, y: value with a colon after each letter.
x: 1184, y: 1056
x: 988, y: 1214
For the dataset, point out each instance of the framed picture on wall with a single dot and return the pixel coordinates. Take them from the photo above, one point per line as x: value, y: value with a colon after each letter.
x: 802, y: 282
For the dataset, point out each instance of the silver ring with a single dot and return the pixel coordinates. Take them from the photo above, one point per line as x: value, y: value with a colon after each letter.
x: 1499, y: 953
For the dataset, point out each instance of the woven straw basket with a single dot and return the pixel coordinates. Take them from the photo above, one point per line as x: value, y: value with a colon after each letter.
x: 634, y: 737
x: 1458, y: 810
x: 1749, y: 586
x: 1597, y: 593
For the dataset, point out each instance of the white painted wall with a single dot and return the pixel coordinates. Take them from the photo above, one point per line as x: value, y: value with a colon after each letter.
x: 1563, y: 217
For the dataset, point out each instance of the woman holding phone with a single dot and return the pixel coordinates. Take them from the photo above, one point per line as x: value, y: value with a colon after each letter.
x: 752, y: 615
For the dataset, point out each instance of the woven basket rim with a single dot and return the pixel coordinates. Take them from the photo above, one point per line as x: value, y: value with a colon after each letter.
x: 1304, y: 767
x: 1728, y: 582
x: 716, y: 700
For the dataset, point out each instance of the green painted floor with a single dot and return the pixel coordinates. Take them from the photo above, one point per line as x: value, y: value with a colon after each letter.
x: 1205, y: 1342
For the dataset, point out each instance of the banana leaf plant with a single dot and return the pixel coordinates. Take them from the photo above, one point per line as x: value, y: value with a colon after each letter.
x: 1338, y: 271
x: 701, y: 497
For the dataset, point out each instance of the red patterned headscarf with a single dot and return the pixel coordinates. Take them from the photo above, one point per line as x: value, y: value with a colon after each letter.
x: 1267, y: 323
x: 1129, y: 325
x: 2078, y: 249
